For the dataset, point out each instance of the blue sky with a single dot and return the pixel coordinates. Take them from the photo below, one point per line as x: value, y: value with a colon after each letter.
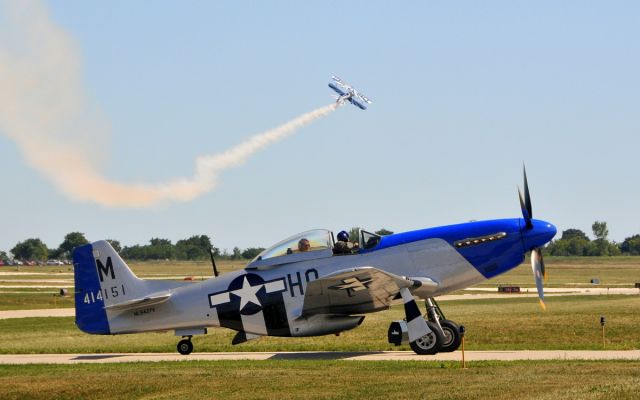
x: 462, y: 95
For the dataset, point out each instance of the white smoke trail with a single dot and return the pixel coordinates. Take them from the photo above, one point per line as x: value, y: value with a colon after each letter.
x: 44, y: 111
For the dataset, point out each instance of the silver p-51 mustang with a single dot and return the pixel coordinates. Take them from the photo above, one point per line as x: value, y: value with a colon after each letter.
x: 304, y: 286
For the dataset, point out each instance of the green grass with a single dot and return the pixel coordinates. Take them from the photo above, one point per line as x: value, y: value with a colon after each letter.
x: 575, y: 271
x: 562, y: 271
x: 323, y: 379
x: 45, y: 298
x: 31, y: 301
x: 620, y: 270
x: 142, y: 268
x: 498, y: 324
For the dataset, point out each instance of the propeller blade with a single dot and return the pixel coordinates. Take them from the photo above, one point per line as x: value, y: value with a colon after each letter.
x: 537, y: 266
x: 525, y: 211
x: 525, y: 203
x: 542, y: 269
x: 527, y: 198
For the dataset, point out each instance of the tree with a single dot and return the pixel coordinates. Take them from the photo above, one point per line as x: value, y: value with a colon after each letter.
x: 384, y: 232
x: 251, y: 252
x: 575, y: 245
x: 573, y: 242
x: 71, y: 241
x: 195, y: 248
x: 354, y: 234
x: 54, y: 254
x: 573, y: 233
x: 631, y: 245
x: 30, y: 249
x: 160, y: 242
x: 115, y: 244
x: 136, y: 252
x: 237, y: 254
x: 3, y: 256
x: 600, y: 230
x: 601, y: 247
x: 160, y: 249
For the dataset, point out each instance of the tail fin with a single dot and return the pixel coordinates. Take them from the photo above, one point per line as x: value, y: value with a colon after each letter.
x: 102, y: 279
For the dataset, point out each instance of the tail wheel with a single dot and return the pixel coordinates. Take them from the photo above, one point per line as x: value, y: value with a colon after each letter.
x: 429, y: 343
x: 452, y: 337
x: 185, y: 347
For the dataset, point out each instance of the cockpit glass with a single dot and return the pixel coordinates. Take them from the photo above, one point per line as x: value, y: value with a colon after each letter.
x: 369, y: 240
x: 314, y: 240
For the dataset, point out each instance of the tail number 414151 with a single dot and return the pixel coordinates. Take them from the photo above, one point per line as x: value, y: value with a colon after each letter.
x: 100, y: 295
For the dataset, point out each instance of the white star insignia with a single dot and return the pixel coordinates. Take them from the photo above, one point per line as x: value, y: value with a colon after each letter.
x: 247, y: 293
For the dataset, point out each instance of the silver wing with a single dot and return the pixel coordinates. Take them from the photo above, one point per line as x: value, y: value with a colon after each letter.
x: 341, y: 83
x: 355, y: 291
x: 361, y: 96
x: 350, y: 89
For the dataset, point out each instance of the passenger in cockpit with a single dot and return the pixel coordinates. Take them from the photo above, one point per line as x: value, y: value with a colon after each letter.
x: 343, y: 245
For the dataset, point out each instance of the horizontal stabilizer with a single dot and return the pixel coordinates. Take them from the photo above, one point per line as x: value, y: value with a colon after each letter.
x: 137, y: 303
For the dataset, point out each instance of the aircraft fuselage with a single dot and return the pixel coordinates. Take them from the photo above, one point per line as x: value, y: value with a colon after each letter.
x: 267, y: 298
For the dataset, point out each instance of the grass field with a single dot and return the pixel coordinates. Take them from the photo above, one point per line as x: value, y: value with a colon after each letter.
x: 492, y: 324
x: 576, y: 272
x: 562, y: 271
x: 512, y: 323
x: 32, y: 299
x: 323, y: 379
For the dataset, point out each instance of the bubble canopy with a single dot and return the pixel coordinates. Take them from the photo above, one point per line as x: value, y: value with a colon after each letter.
x: 317, y: 239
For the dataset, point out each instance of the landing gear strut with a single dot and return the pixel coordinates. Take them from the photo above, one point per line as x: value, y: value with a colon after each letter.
x: 450, y: 330
x: 444, y: 336
x: 185, y: 346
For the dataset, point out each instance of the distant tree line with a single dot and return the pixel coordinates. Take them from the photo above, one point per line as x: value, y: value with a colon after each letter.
x: 35, y: 249
x: 194, y: 248
x: 575, y: 242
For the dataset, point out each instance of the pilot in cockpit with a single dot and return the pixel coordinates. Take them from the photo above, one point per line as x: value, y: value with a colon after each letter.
x: 304, y: 245
x: 343, y: 245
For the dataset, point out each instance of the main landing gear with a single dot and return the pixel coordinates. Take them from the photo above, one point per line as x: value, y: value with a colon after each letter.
x: 444, y: 336
x: 185, y: 346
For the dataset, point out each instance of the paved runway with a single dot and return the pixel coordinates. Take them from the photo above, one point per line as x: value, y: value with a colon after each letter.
x: 45, y: 312
x: 314, y: 355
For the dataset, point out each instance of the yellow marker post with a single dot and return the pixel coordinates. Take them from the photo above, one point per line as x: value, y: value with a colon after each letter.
x: 462, y: 331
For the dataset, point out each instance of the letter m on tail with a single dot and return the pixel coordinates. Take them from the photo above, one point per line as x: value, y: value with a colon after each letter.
x: 105, y: 269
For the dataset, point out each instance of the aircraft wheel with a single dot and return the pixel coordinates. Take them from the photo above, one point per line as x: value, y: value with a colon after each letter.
x: 429, y: 343
x: 452, y: 337
x: 185, y: 347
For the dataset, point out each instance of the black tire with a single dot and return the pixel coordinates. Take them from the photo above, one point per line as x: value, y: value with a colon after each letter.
x: 429, y: 343
x: 185, y: 347
x: 452, y: 337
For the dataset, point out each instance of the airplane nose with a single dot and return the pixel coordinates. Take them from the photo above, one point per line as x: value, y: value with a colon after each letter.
x: 541, y: 233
